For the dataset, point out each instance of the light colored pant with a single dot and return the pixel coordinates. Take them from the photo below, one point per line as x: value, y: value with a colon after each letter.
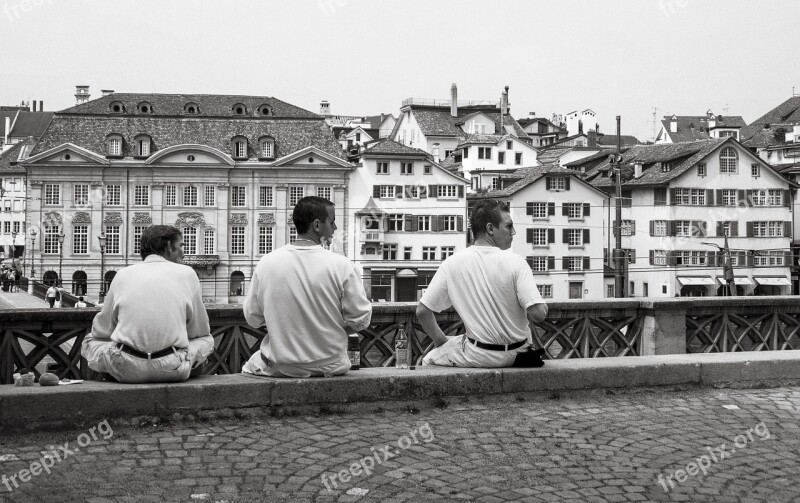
x: 257, y: 366
x: 105, y: 356
x: 458, y: 352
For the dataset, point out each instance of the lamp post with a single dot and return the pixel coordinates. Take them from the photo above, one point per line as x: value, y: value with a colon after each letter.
x: 102, y: 239
x: 727, y: 267
x: 33, y: 270
x: 60, y: 256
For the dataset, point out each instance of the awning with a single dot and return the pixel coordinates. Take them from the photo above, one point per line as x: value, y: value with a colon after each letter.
x: 772, y: 281
x: 406, y: 273
x: 695, y: 280
x: 740, y: 280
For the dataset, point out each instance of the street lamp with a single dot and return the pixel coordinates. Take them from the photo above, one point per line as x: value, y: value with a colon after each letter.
x: 727, y: 267
x: 33, y: 249
x: 60, y: 256
x: 102, y: 239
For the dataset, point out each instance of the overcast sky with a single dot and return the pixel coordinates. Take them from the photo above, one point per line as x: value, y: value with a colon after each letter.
x: 365, y: 56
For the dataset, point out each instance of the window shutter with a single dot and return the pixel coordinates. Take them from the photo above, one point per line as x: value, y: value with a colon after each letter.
x: 672, y: 196
x: 414, y: 224
x: 709, y: 197
x: 672, y: 258
x: 734, y: 229
x: 551, y: 236
x: 749, y: 229
x: 749, y: 259
x: 787, y: 197
x: 652, y: 257
x: 529, y: 208
x: 787, y: 259
x: 615, y: 228
x: 671, y: 231
x: 460, y: 191
x: 587, y: 263
x: 586, y: 233
x: 787, y: 229
x: 566, y: 183
x: 433, y: 191
x: 633, y: 227
x: 529, y: 235
x: 711, y: 258
x: 398, y: 192
x: 587, y: 208
x: 718, y: 197
x: 702, y: 227
x: 748, y: 194
x: 565, y: 263
x: 551, y: 263
x: 376, y: 191
x: 660, y: 197
x: 719, y: 228
x: 564, y: 209
x: 549, y: 180
x: 632, y: 256
x: 551, y: 209
x: 460, y: 223
x: 740, y: 196
x: 435, y: 223
x: 407, y: 224
x: 565, y: 236
x: 652, y: 227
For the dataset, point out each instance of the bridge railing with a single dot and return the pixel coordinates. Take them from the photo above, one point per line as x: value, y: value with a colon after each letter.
x: 573, y: 329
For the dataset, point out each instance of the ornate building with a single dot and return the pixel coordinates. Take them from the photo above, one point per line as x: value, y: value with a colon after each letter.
x: 227, y: 170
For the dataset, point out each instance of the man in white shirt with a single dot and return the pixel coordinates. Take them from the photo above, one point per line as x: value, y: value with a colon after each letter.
x: 494, y: 293
x: 153, y: 326
x: 309, y: 298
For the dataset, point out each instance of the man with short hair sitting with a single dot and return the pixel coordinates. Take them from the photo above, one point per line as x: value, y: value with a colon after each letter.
x: 309, y: 298
x: 494, y: 293
x: 153, y: 326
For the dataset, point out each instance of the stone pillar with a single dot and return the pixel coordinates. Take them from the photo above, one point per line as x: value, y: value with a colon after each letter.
x: 664, y: 331
x: 282, y: 216
x: 339, y: 200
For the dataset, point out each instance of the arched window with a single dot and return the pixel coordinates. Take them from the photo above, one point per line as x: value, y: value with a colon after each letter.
x: 191, y: 108
x: 727, y: 160
x: 142, y: 146
x: 144, y: 108
x: 79, y: 283
x: 237, y: 283
x: 239, y: 109
x: 116, y: 107
x: 265, y: 110
x: 114, y: 145
x: 267, y: 148
x: 50, y: 278
x: 239, y: 147
x: 109, y: 277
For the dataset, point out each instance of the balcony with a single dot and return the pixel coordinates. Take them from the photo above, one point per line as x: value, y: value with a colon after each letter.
x: 198, y: 261
x: 373, y: 237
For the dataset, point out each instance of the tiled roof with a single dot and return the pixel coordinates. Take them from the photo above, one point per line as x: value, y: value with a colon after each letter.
x: 481, y: 139
x: 90, y: 132
x: 787, y: 112
x: 610, y: 140
x: 3, y: 114
x: 439, y: 122
x: 31, y: 124
x: 756, y: 135
x: 695, y: 127
x: 685, y: 155
x: 8, y: 159
x: 550, y: 155
x: 531, y: 175
x: 385, y: 146
x: 375, y: 121
x: 531, y: 120
x: 591, y: 159
x: 210, y: 105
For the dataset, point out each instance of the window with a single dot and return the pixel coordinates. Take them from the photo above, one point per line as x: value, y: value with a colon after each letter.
x: 137, y: 238
x: 240, y: 148
x: 143, y: 146
x: 267, y: 148
x: 17, y: 226
x: 769, y: 258
x: 466, y: 152
x: 238, y: 196
x: 631, y: 289
x: 407, y: 253
x: 396, y: 222
x: 383, y: 168
x: 237, y: 283
x: 427, y: 169
x: 115, y: 146
x: 6, y: 227
x: 628, y: 227
x: 727, y: 160
x: 509, y: 145
x: 189, y: 240
x: 191, y: 108
x: 546, y: 291
x: 766, y: 197
x: 683, y: 228
x: 666, y: 167
x: 574, y: 210
x: 112, y: 239
x: 691, y: 257
x: 264, y: 239
x: 659, y: 257
x: 237, y: 240
x: 80, y: 239
x: 381, y: 286
x: 447, y: 251
x: 539, y: 237
x: 406, y: 168
x: 659, y: 227
x: 557, y: 183
x: 448, y: 191
x: 424, y: 222
x: 114, y: 195
x: 411, y: 192
x: 51, y: 233
x: 495, y: 183
x: 755, y: 170
x: 774, y: 197
x: 80, y: 194
x: 518, y: 158
x: 170, y: 195
x: 690, y: 196
x: 52, y: 194
x: 539, y: 210
x: 141, y: 195
x: 726, y: 227
x: 729, y: 197
x: 428, y: 253
x: 484, y: 152
x: 538, y: 264
x: 324, y: 193
x: 758, y: 197
x: 609, y: 290
x: 574, y: 264
x: 575, y: 237
x: 767, y: 229
x: 265, y: 196
x: 390, y: 252
x: 386, y: 191
x: 501, y: 158
x: 209, y: 247
x: 296, y: 193
x: 701, y: 169
x: 292, y: 234
x: 190, y: 196
x: 448, y: 223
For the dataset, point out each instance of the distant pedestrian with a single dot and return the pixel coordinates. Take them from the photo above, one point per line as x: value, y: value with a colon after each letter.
x: 50, y: 295
x: 80, y: 304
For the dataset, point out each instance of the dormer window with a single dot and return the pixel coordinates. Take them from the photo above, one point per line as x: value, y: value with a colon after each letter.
x: 239, y: 109
x: 144, y: 108
x: 142, y: 146
x: 191, y: 109
x: 239, y: 147
x: 265, y: 110
x: 116, y: 107
x: 266, y: 148
x: 728, y: 160
x: 114, y: 145
x: 666, y: 166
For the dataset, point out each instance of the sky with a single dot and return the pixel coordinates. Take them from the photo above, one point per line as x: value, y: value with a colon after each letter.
x: 622, y: 57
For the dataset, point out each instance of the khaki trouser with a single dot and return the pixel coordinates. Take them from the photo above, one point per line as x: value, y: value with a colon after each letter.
x: 257, y: 366
x: 458, y: 352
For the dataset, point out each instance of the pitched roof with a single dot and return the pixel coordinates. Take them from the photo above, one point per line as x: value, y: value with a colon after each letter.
x: 551, y: 154
x: 764, y: 131
x: 9, y: 158
x: 695, y: 127
x: 611, y: 140
x: 787, y: 112
x: 439, y: 122
x: 90, y: 132
x: 375, y: 121
x: 684, y: 155
x: 531, y: 120
x: 3, y: 114
x: 30, y: 124
x: 531, y: 175
x: 386, y: 146
x: 209, y: 105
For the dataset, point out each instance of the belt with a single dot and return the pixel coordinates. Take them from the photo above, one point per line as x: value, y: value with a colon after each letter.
x: 497, y: 347
x: 146, y: 356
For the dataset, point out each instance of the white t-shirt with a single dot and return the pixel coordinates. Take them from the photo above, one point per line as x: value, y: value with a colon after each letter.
x: 306, y: 296
x: 490, y: 289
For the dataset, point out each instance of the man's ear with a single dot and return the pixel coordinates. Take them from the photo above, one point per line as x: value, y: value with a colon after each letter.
x: 490, y: 228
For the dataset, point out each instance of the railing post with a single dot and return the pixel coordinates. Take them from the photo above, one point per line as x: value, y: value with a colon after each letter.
x: 664, y: 331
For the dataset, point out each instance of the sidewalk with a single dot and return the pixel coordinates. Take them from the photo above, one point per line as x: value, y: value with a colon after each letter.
x: 20, y: 300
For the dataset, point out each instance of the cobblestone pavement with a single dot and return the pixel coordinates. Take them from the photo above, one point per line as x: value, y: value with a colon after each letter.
x: 594, y: 447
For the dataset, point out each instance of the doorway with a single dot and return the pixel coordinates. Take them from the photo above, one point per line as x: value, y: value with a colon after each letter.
x: 406, y: 289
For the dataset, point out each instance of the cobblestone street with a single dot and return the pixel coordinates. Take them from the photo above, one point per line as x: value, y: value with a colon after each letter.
x: 594, y: 447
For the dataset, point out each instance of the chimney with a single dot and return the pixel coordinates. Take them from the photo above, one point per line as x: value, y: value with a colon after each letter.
x: 453, y: 100
x: 637, y: 169
x: 504, y: 103
x: 6, y: 131
x: 324, y: 107
x: 436, y: 152
x: 34, y: 106
x: 81, y: 94
x: 531, y: 115
x: 592, y: 134
x: 41, y: 105
x: 580, y: 127
x: 673, y: 124
x: 106, y: 92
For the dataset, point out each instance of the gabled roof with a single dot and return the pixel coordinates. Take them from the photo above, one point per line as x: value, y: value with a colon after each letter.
x: 787, y: 112
x: 482, y: 139
x: 10, y: 158
x: 764, y: 131
x: 30, y: 124
x: 695, y: 127
x: 3, y: 114
x: 370, y: 209
x: 375, y: 121
x: 590, y: 161
x: 210, y: 105
x: 386, y: 146
x: 610, y: 140
x: 531, y: 175
x: 550, y: 154
x: 439, y: 122
x: 530, y: 120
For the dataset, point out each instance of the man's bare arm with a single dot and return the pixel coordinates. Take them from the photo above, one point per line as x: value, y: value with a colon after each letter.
x: 537, y: 312
x: 427, y: 319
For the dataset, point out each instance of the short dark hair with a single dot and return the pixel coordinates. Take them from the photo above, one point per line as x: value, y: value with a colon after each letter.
x: 307, y: 210
x: 156, y: 238
x: 488, y: 211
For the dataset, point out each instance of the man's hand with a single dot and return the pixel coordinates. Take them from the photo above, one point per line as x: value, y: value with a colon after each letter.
x: 427, y: 319
x: 537, y: 312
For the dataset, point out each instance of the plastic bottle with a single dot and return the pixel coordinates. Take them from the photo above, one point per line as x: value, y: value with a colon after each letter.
x: 401, y: 355
x: 353, y: 352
